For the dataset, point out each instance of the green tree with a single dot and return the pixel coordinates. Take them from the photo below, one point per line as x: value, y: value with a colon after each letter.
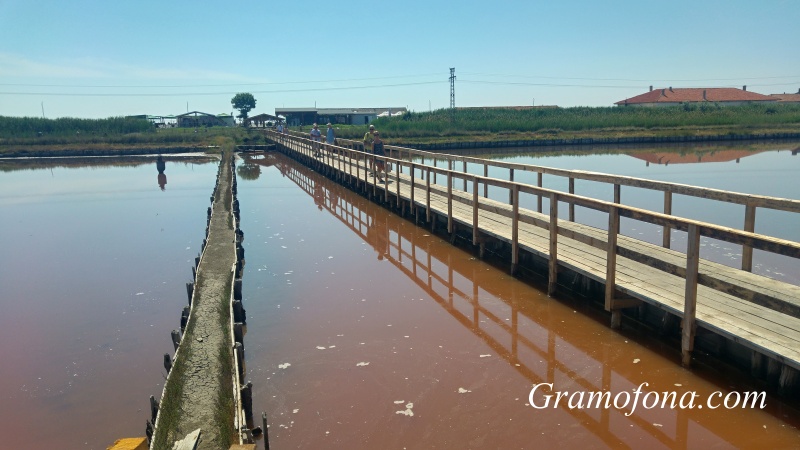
x: 244, y: 102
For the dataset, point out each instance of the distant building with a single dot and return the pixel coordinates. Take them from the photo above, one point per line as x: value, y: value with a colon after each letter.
x: 200, y: 119
x: 157, y: 121
x: 678, y: 96
x: 261, y: 121
x: 228, y: 119
x: 787, y: 98
x: 346, y: 116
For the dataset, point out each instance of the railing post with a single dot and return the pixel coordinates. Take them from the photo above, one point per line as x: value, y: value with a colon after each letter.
x: 539, y: 196
x: 449, y: 201
x: 617, y: 200
x: 667, y: 210
x: 611, y: 266
x: 474, y: 210
x: 397, y: 175
x: 434, y: 173
x: 485, y: 185
x: 413, y: 182
x: 510, y: 193
x: 571, y: 204
x: 749, y: 225
x: 514, y: 228
x: 690, y: 298
x: 465, y: 173
x: 428, y: 194
x: 553, y: 263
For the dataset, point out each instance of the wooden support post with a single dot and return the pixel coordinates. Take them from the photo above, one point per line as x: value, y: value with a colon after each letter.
x: 238, y: 349
x: 756, y: 363
x: 237, y: 289
x: 189, y: 290
x: 749, y: 225
x: 176, y: 338
x: 154, y: 406
x: 246, y: 394
x: 434, y: 173
x: 571, y: 204
x: 787, y: 380
x: 266, y: 430
x: 184, y: 317
x: 667, y: 210
x: 239, y: 313
x: 514, y: 228
x: 238, y: 332
x: 474, y: 210
x: 553, y: 263
x: 167, y: 366
x: 539, y: 197
x: 690, y: 298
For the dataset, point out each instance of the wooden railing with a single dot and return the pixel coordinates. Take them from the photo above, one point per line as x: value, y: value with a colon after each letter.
x: 347, y: 166
x: 750, y: 201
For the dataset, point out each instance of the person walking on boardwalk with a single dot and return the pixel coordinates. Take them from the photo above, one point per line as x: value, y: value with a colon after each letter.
x: 330, y: 138
x: 368, y: 138
x: 279, y: 128
x: 378, y: 151
x: 316, y: 137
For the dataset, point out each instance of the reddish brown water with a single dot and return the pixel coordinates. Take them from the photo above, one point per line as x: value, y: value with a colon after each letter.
x: 364, y: 331
x: 92, y: 271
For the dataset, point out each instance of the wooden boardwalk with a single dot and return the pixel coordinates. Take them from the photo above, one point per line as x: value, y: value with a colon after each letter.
x: 759, y: 313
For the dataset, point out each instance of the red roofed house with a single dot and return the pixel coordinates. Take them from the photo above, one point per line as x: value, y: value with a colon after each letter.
x: 787, y: 98
x: 678, y: 96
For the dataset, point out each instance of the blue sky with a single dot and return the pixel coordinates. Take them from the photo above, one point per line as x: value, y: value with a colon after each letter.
x: 109, y: 58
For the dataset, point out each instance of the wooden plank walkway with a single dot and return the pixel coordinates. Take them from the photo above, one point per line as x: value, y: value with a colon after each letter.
x: 760, y: 313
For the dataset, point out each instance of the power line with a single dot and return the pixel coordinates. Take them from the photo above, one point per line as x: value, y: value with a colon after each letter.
x: 631, y: 79
x: 520, y: 83
x: 215, y: 85
x: 174, y: 94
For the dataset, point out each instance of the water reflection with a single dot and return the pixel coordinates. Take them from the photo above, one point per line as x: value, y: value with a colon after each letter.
x: 667, y: 158
x: 541, y: 341
x: 162, y: 177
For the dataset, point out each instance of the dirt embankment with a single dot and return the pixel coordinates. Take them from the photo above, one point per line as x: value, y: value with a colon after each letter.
x: 199, y: 394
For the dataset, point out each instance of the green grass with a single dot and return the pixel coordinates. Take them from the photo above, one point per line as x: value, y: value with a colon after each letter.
x: 480, y: 124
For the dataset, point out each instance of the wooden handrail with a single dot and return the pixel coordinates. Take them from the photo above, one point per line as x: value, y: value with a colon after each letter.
x: 732, y: 235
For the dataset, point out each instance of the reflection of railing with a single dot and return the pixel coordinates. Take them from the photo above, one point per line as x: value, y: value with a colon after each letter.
x: 525, y: 335
x: 734, y: 304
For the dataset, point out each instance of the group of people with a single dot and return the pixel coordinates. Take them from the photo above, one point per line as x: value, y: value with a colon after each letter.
x: 373, y: 144
x: 316, y: 136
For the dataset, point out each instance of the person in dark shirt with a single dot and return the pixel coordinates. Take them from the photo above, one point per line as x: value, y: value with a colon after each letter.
x: 379, y: 152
